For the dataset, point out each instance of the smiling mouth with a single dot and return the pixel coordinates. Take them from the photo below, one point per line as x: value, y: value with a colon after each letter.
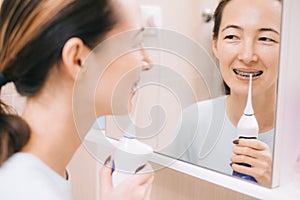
x: 247, y: 74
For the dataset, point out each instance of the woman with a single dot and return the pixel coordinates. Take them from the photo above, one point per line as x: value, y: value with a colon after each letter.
x: 44, y: 44
x: 242, y: 47
x: 246, y: 38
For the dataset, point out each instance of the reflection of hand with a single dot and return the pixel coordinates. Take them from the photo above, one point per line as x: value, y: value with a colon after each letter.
x: 136, y: 187
x: 255, y: 153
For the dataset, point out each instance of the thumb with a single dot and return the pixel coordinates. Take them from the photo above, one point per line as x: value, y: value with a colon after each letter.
x: 106, y: 177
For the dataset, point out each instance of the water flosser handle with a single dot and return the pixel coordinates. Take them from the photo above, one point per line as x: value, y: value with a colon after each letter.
x: 247, y: 128
x: 130, y: 154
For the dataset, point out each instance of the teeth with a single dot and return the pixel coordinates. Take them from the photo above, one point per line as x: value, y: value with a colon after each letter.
x: 247, y: 74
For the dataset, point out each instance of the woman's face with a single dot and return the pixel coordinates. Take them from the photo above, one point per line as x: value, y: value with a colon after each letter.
x: 117, y: 84
x: 248, y: 43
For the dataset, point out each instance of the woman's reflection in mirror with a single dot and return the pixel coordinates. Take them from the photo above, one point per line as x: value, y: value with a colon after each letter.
x: 246, y: 40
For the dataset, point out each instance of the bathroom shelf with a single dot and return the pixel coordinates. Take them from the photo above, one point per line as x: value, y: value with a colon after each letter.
x: 288, y: 191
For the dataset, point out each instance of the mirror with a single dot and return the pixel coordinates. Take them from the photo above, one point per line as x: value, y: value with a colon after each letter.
x: 208, y: 129
x: 184, y: 111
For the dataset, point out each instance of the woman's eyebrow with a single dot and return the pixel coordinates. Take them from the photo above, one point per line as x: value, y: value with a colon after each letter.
x: 269, y: 30
x: 260, y: 30
x: 232, y: 26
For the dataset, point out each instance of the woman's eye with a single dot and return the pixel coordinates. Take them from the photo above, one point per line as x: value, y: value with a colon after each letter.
x: 230, y: 37
x: 266, y: 39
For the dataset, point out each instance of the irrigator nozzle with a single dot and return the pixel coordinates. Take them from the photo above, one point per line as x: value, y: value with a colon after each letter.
x: 249, y: 109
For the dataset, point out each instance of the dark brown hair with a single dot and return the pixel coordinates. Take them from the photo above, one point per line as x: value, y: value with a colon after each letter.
x: 32, y: 36
x: 218, y: 17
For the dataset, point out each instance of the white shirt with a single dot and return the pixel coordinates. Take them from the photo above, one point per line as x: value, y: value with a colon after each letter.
x: 24, y: 176
x: 205, y: 136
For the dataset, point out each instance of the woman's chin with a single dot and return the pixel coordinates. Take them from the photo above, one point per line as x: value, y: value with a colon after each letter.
x: 131, y: 102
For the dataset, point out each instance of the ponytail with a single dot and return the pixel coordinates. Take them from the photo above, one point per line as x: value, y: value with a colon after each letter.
x: 14, y: 133
x: 32, y: 36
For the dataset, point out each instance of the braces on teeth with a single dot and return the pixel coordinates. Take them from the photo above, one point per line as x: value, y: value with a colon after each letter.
x: 247, y: 74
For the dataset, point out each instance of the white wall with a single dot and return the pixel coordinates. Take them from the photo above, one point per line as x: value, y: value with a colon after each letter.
x: 287, y: 141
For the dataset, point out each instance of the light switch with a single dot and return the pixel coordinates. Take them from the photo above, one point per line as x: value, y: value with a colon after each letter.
x: 151, y: 16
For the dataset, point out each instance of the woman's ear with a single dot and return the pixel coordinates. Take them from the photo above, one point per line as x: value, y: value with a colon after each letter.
x: 73, y: 55
x: 214, y: 48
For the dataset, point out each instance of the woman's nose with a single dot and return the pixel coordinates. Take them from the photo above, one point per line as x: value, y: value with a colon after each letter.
x: 247, y: 53
x: 146, y: 66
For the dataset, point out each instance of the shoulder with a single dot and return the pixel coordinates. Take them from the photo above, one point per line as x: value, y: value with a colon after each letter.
x: 207, y: 105
x: 204, y: 112
x: 25, y: 177
x: 196, y: 121
x: 201, y: 117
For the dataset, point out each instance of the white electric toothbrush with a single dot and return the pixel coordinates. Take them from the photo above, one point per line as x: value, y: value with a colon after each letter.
x: 247, y: 127
x: 130, y: 155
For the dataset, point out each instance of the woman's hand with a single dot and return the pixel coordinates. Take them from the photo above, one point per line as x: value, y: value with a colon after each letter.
x: 136, y: 187
x: 255, y: 153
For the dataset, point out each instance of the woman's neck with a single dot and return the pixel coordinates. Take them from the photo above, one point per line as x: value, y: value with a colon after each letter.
x: 264, y: 106
x: 53, y: 134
